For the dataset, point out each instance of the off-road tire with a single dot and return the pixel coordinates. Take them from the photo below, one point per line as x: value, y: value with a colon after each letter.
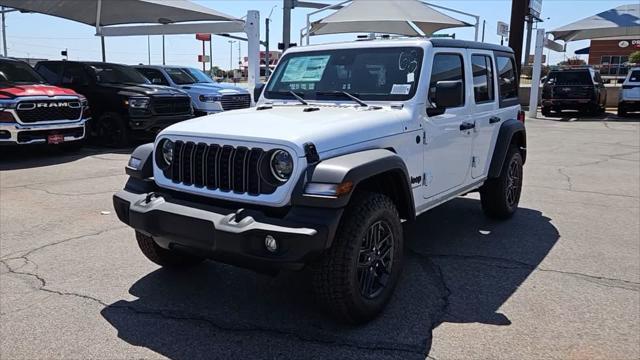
x: 498, y: 196
x: 113, y: 130
x: 164, y: 257
x: 546, y: 111
x: 336, y: 280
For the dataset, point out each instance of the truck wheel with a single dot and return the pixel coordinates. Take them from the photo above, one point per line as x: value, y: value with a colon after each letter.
x: 113, y: 130
x: 500, y: 196
x: 356, y: 277
x: 546, y: 111
x: 164, y: 257
x: 622, y: 112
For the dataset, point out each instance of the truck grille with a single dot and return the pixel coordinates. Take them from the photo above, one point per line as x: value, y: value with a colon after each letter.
x: 216, y: 167
x: 233, y: 102
x: 48, y: 110
x: 172, y: 105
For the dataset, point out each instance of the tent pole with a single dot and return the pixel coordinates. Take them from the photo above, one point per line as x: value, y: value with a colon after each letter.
x: 211, y: 56
x: 252, y: 29
x: 537, y: 73
x: 477, y: 28
x: 484, y: 24
x: 163, y: 55
x: 104, y: 57
x: 149, y: 49
x: 99, y: 29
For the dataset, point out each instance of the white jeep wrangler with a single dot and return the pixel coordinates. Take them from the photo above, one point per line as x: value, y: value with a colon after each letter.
x: 347, y: 141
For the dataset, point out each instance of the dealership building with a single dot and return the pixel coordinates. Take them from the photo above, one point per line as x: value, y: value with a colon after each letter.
x: 611, y: 56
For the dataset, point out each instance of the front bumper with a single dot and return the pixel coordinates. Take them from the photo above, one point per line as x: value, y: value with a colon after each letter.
x: 224, y: 234
x: 154, y: 124
x: 24, y: 134
x: 568, y: 103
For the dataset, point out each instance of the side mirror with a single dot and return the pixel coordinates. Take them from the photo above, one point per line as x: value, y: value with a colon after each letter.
x: 257, y: 91
x: 449, y: 94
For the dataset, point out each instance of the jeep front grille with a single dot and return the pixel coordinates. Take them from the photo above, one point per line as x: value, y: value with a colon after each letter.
x: 225, y: 168
x: 33, y: 111
x: 233, y: 102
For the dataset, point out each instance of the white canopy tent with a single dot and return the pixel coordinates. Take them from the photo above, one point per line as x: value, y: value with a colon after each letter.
x: 621, y: 21
x: 407, y: 17
x: 150, y: 17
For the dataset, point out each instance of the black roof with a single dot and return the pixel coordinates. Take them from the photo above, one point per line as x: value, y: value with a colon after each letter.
x: 452, y: 43
x: 90, y: 63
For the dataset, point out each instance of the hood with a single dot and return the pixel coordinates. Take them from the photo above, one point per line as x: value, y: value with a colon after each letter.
x: 329, y: 128
x: 130, y: 89
x: 10, y: 91
x: 214, y: 88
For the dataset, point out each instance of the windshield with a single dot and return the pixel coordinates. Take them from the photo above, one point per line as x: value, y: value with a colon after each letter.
x: 118, y: 74
x: 388, y: 74
x: 18, y: 72
x: 199, y: 75
x: 179, y: 76
x: 570, y: 78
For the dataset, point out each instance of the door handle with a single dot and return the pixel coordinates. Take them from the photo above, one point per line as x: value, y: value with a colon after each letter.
x: 467, y: 126
x: 494, y: 119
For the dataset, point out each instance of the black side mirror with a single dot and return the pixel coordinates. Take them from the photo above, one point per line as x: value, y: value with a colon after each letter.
x: 257, y: 91
x: 449, y: 94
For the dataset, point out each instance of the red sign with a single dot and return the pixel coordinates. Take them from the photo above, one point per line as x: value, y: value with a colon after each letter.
x: 203, y: 37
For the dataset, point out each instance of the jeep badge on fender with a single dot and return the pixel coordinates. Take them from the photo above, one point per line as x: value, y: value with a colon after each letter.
x: 347, y: 141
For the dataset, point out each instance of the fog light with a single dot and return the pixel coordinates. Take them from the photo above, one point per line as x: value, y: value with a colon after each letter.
x: 270, y: 243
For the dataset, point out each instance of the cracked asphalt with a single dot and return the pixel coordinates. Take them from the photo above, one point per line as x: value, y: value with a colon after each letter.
x: 559, y: 280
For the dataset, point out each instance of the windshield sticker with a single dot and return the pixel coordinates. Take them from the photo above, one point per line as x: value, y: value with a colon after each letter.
x: 401, y: 89
x: 411, y: 77
x: 306, y: 68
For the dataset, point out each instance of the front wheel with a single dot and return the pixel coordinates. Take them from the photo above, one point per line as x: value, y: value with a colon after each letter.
x: 500, y: 196
x: 356, y: 277
x: 113, y: 130
x: 164, y: 257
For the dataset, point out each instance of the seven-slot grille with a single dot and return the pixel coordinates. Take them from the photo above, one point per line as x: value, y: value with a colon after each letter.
x: 233, y: 102
x: 225, y: 168
x: 48, y: 110
x: 172, y: 105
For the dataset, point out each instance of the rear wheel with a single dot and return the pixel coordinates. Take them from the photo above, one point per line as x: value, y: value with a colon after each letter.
x: 113, y: 130
x: 164, y: 257
x: 622, y: 112
x: 546, y: 111
x: 356, y: 277
x: 500, y: 196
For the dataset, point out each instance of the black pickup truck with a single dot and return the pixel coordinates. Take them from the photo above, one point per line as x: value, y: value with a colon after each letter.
x: 579, y: 89
x: 125, y: 104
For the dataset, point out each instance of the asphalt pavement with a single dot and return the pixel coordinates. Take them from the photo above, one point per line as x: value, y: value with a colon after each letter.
x: 561, y: 280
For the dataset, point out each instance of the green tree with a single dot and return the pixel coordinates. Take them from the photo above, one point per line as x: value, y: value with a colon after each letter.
x: 635, y: 57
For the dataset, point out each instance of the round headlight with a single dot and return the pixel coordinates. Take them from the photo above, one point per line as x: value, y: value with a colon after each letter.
x: 167, y: 151
x: 281, y: 165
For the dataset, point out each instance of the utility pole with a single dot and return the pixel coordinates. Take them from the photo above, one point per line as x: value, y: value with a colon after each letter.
x: 287, y: 5
x: 211, y: 55
x: 4, y: 33
x: 163, y: 56
x: 516, y: 29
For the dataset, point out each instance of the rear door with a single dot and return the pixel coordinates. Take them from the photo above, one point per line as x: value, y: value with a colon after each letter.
x: 484, y: 110
x: 447, y: 145
x: 50, y: 71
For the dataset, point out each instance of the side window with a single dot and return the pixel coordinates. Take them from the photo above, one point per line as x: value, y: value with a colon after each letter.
x: 74, y: 74
x: 50, y: 71
x: 483, y: 83
x: 507, y: 78
x: 446, y: 67
x: 155, y: 76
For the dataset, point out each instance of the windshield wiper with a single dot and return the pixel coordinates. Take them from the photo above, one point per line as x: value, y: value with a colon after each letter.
x: 291, y: 92
x: 344, y: 93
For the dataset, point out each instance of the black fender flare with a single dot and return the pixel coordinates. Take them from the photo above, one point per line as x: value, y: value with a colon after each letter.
x: 144, y: 153
x: 355, y: 167
x: 508, y: 130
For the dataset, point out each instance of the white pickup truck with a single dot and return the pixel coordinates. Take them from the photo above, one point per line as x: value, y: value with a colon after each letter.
x: 346, y: 142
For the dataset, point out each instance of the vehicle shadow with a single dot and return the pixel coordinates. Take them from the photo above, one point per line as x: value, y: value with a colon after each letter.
x: 460, y: 267
x: 34, y: 156
x: 571, y: 116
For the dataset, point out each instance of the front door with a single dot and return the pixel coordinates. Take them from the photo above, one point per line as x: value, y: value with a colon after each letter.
x: 448, y: 132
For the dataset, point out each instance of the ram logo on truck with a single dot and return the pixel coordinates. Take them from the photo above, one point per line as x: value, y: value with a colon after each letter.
x: 56, y: 104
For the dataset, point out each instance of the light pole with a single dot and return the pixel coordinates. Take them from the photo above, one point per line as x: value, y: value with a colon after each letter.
x: 267, y: 69
x: 231, y: 42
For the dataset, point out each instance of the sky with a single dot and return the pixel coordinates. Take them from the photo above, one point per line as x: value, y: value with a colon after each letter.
x: 42, y: 36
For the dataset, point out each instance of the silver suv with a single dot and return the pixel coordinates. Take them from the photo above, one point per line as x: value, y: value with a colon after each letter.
x: 629, y: 100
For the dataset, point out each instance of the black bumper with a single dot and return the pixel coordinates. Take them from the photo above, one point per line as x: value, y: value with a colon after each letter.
x: 156, y: 123
x: 227, y: 235
x: 574, y: 104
